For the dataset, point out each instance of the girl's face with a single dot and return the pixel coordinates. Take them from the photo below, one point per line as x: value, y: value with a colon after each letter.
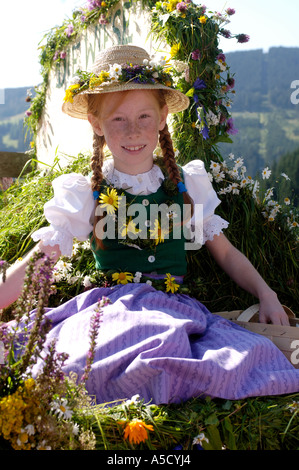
x: 130, y: 122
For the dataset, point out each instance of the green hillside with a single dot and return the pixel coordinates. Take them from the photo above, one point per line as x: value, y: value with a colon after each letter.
x: 267, y: 120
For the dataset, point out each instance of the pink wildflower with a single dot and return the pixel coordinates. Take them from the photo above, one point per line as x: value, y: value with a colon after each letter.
x: 69, y: 30
x: 227, y: 34
x: 181, y: 7
x: 195, y: 54
x: 230, y: 11
x: 243, y: 38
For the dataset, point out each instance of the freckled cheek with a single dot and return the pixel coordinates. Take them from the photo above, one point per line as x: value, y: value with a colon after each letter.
x: 112, y: 135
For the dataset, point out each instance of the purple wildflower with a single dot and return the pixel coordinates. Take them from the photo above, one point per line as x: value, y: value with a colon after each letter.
x: 94, y: 330
x: 199, y: 84
x: 69, y: 30
x: 230, y: 83
x: 226, y: 33
x: 205, y: 132
x: 92, y: 4
x: 103, y: 19
x: 243, y: 38
x: 62, y: 55
x: 230, y: 129
x: 181, y: 7
x: 230, y: 11
x: 221, y: 56
x: 56, y: 55
x: 196, y: 54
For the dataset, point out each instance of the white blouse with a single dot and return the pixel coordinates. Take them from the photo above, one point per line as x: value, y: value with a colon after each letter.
x: 70, y: 212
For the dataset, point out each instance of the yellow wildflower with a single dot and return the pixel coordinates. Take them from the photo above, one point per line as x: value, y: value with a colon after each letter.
x: 158, y: 233
x: 122, y: 278
x: 202, y: 19
x: 171, y: 5
x: 109, y: 201
x: 129, y: 228
x: 170, y: 284
x: 136, y: 431
x: 174, y: 50
x: 69, y: 92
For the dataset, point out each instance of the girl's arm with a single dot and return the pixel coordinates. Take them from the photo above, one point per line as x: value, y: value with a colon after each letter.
x: 11, y: 289
x: 239, y: 268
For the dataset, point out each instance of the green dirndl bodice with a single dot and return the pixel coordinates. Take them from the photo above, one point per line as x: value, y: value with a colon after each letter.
x: 157, y: 243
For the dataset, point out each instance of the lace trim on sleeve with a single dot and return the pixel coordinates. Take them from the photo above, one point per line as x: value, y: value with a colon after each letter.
x: 214, y: 225
x: 51, y: 237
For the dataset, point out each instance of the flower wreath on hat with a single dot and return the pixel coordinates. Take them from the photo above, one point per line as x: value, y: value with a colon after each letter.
x: 149, y: 72
x: 143, y: 73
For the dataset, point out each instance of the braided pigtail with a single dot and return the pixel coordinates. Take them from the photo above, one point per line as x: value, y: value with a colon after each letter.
x: 97, y: 177
x: 173, y: 169
x: 97, y: 162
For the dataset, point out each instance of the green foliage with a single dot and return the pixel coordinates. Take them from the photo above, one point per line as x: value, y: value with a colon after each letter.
x: 289, y: 165
x: 21, y: 207
x: 252, y: 424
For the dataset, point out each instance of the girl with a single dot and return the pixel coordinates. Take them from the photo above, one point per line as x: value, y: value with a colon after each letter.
x: 165, y: 346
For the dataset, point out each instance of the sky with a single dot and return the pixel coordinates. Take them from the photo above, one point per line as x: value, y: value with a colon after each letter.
x: 269, y: 23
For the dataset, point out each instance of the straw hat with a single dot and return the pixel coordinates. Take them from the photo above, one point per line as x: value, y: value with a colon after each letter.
x: 121, y: 68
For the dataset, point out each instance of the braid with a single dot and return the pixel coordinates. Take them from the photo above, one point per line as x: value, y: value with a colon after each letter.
x: 97, y: 162
x: 172, y: 167
x: 168, y: 155
x: 97, y: 176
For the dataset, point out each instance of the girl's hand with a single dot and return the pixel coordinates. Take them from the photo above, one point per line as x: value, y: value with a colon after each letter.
x: 11, y: 289
x: 271, y: 311
x: 239, y: 268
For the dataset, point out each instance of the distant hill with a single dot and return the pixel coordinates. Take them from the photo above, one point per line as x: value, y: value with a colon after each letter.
x: 12, y: 132
x: 263, y: 80
x: 267, y: 121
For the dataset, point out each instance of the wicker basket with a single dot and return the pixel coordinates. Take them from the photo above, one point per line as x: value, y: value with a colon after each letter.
x: 286, y: 338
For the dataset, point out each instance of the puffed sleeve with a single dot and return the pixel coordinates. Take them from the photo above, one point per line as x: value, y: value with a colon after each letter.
x: 69, y: 213
x: 204, y: 223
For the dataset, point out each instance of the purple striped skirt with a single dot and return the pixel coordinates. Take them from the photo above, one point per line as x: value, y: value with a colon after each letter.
x: 167, y: 348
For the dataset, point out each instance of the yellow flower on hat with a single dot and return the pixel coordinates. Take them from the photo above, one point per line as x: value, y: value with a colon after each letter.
x: 69, y: 92
x: 203, y: 19
x: 97, y: 81
x: 171, y: 284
